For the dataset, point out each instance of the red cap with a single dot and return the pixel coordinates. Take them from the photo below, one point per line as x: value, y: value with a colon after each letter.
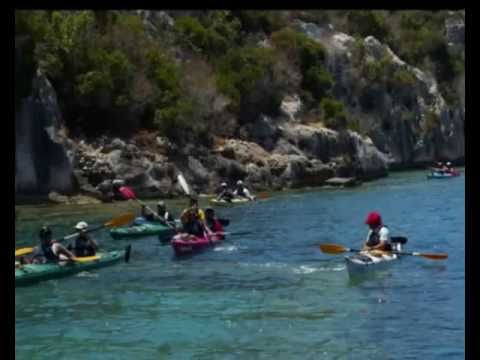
x: 374, y: 219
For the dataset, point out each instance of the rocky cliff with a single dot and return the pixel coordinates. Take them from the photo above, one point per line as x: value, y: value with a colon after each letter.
x: 400, y: 118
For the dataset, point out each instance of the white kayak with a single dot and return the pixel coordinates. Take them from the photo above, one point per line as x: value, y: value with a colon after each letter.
x: 235, y: 201
x: 366, y: 262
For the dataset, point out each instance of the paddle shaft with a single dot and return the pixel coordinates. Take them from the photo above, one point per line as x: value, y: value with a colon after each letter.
x: 338, y: 249
x: 162, y: 220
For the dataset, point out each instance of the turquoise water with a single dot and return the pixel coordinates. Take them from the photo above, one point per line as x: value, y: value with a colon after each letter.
x: 262, y: 295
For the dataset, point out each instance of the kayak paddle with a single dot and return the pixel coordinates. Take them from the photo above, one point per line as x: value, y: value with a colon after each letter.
x: 339, y: 249
x: 155, y: 214
x: 184, y: 184
x: 262, y: 195
x: 116, y: 221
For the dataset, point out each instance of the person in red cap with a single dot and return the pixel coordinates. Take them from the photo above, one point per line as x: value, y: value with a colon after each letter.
x: 378, y: 237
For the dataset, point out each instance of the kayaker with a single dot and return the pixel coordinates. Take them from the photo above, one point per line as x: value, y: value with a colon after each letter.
x: 164, y: 214
x: 83, y: 245
x: 224, y: 193
x: 121, y: 191
x: 193, y: 219
x: 211, y: 221
x: 445, y: 168
x: 378, y: 237
x: 48, y: 250
x: 438, y: 167
x: 146, y: 213
x: 449, y: 167
x: 242, y: 191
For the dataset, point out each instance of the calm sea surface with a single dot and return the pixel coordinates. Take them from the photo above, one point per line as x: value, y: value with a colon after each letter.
x: 267, y: 291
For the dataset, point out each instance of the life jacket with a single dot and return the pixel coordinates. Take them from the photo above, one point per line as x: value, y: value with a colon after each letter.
x: 374, y: 237
x: 194, y: 227
x: 188, y: 216
x: 167, y: 216
x: 81, y: 247
x: 226, y: 194
x: 126, y: 193
x: 48, y: 254
x: 214, y: 225
x: 241, y: 191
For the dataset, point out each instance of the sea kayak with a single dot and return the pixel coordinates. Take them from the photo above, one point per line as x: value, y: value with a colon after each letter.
x: 235, y: 201
x: 146, y: 229
x: 32, y: 273
x: 183, y: 244
x: 364, y: 262
x: 443, y: 175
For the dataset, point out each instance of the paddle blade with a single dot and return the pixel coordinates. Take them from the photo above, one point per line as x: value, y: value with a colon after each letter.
x: 128, y: 249
x: 183, y: 184
x: 333, y: 248
x: 24, y: 251
x: 434, y: 256
x: 262, y: 195
x: 120, y: 220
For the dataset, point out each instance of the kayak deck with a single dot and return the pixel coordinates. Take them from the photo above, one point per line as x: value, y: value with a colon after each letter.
x: 235, y: 201
x: 363, y: 263
x: 137, y: 231
x: 183, y: 246
x: 443, y: 175
x: 31, y: 273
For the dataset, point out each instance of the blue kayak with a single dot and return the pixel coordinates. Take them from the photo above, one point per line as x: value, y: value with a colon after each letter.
x: 442, y: 175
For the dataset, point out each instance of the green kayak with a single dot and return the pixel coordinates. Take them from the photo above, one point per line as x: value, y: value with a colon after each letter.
x: 31, y: 273
x: 146, y: 229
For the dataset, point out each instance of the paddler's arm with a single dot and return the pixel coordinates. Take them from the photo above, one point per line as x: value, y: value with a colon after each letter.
x: 59, y: 249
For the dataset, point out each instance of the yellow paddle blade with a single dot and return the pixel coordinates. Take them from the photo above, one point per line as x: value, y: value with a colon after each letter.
x: 433, y: 256
x: 24, y: 251
x: 120, y: 220
x: 333, y: 248
x: 87, y: 258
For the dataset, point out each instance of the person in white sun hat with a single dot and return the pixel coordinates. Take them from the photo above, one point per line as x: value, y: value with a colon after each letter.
x: 224, y: 193
x: 83, y: 245
x: 242, y: 191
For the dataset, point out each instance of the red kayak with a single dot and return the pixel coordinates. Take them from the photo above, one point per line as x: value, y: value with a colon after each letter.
x: 185, y: 244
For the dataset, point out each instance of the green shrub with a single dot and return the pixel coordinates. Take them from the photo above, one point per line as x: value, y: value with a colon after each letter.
x: 403, y: 78
x: 309, y: 56
x: 192, y: 32
x: 367, y: 23
x: 240, y: 72
x: 332, y: 108
x: 432, y: 121
x: 311, y: 53
x: 213, y: 37
x: 335, y: 115
x: 317, y: 80
x: 255, y: 21
x: 354, y: 125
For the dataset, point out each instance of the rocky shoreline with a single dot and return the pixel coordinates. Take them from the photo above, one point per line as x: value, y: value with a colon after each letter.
x: 409, y: 126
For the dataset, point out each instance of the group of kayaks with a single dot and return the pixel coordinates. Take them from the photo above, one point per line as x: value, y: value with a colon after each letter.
x: 438, y: 174
x: 182, y: 244
x: 358, y: 264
